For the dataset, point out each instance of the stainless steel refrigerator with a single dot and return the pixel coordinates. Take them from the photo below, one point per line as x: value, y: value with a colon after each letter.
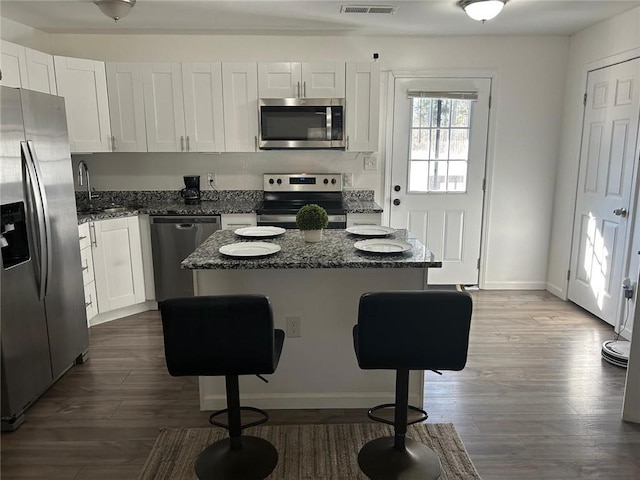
x: 43, y: 323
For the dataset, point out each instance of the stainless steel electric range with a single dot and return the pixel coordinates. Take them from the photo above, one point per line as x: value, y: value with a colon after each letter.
x: 286, y: 193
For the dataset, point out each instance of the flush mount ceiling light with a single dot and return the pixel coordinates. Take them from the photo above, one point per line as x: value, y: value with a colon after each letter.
x: 115, y: 9
x: 482, y: 10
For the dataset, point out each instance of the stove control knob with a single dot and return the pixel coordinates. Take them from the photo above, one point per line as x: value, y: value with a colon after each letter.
x: 326, y: 181
x: 279, y: 181
x: 333, y: 181
x: 271, y: 181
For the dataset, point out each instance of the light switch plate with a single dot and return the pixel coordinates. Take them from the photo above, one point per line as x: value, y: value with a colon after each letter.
x: 347, y: 179
x: 371, y: 162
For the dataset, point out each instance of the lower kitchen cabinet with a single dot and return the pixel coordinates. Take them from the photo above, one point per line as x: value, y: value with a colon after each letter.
x: 354, y: 219
x: 231, y: 221
x: 88, y: 278
x: 117, y: 263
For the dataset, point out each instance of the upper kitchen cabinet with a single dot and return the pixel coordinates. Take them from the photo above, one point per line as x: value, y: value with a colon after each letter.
x: 183, y: 107
x: 41, y: 72
x: 299, y: 80
x: 83, y: 84
x: 240, y: 97
x: 363, y: 106
x: 13, y: 63
x: 126, y: 107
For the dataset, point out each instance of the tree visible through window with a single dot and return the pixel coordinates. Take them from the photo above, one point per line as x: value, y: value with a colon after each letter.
x: 439, y: 146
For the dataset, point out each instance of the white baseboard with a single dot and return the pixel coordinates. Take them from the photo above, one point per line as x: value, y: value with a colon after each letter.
x: 123, y: 312
x: 303, y: 401
x: 556, y: 290
x: 514, y: 286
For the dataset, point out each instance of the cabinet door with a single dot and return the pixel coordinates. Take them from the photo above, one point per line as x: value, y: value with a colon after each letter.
x: 117, y: 263
x: 42, y: 75
x: 164, y: 107
x: 354, y: 219
x: 363, y: 106
x: 83, y: 84
x: 240, y: 96
x: 231, y: 221
x: 323, y: 80
x: 279, y: 80
x: 13, y: 62
x: 203, y: 114
x: 126, y: 107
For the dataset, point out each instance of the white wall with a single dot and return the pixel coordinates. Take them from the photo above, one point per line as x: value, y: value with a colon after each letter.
x: 594, y: 44
x: 529, y: 80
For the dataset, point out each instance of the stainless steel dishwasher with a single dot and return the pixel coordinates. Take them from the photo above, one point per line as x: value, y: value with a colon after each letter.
x: 173, y: 238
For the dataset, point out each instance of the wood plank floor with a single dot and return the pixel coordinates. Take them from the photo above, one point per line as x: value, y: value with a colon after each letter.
x: 534, y: 402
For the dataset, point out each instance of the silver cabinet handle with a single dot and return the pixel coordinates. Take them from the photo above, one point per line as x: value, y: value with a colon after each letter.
x: 94, y: 240
x: 113, y: 143
x: 347, y: 145
x: 188, y: 148
x: 255, y: 141
x: 304, y: 89
x: 182, y: 143
x: 82, y: 237
x: 298, y: 90
x: 620, y: 212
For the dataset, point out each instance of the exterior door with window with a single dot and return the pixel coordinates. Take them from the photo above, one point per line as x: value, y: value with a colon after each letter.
x: 605, y: 187
x: 437, y: 174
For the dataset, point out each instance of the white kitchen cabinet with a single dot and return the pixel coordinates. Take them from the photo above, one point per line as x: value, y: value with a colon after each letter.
x: 240, y: 98
x: 83, y: 84
x: 363, y: 106
x: 183, y: 107
x: 13, y: 63
x: 126, y: 107
x: 295, y: 79
x: 164, y: 107
x: 88, y: 277
x: 203, y: 107
x: 117, y: 263
x: 41, y: 72
x: 354, y: 219
x: 231, y: 221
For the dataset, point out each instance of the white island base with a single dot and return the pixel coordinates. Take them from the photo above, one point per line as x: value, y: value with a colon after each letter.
x: 319, y: 369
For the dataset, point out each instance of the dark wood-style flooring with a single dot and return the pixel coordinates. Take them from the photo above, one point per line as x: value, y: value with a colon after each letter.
x: 534, y: 402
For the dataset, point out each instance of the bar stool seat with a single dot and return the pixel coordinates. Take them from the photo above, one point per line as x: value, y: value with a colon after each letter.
x: 226, y: 335
x: 404, y: 331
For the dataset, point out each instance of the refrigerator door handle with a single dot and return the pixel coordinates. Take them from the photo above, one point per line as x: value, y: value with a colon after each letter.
x: 44, y: 222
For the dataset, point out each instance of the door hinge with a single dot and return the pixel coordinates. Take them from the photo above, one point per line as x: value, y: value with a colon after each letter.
x: 568, y: 274
x: 478, y: 265
x: 484, y: 184
x: 584, y: 100
x: 490, y: 101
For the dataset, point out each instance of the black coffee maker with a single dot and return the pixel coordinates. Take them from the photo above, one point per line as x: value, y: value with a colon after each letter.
x: 191, y: 192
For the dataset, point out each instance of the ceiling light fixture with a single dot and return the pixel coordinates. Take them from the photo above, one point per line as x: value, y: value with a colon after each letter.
x: 115, y: 9
x: 482, y: 10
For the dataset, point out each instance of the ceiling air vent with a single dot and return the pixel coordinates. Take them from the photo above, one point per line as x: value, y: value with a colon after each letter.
x: 387, y: 9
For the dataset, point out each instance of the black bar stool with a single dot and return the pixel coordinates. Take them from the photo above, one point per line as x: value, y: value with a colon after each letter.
x: 403, y: 331
x: 228, y: 335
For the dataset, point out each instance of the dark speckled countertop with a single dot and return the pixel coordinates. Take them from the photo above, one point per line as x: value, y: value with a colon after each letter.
x: 335, y: 250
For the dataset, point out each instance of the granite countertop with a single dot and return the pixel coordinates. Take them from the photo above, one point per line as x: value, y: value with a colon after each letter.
x: 335, y: 250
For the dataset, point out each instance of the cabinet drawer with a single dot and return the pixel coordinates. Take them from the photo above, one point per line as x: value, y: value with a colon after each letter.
x: 83, y: 233
x: 90, y: 301
x: 86, y: 261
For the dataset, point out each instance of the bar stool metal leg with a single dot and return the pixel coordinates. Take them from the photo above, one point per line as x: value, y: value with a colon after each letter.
x: 238, y: 457
x: 399, y: 457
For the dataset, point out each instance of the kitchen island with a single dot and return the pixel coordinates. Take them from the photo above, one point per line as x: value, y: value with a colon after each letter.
x: 314, y: 290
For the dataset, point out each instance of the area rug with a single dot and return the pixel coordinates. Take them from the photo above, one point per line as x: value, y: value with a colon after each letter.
x: 306, y: 452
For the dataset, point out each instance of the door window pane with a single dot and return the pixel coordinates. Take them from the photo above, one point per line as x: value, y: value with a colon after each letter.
x: 439, y: 151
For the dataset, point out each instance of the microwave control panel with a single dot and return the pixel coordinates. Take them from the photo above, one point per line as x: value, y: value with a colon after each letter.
x: 302, y: 182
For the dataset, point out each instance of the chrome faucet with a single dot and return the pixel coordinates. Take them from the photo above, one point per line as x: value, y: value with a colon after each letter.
x: 83, y: 171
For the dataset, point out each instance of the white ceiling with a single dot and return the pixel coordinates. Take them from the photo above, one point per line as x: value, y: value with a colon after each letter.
x: 312, y: 17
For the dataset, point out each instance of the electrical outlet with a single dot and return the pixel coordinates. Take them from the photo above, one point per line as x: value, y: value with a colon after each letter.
x: 294, y: 327
x: 371, y: 162
x: 347, y: 179
x: 211, y: 180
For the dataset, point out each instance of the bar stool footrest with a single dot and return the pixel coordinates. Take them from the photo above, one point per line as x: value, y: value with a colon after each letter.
x: 264, y: 419
x: 376, y: 418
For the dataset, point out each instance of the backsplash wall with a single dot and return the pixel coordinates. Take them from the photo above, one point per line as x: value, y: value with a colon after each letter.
x: 234, y: 171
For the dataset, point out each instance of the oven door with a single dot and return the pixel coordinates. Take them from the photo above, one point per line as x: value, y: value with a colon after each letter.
x: 289, y: 221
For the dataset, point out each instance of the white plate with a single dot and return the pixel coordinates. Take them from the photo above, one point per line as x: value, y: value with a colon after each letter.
x: 371, y: 230
x: 259, y: 231
x: 249, y: 249
x: 383, y: 246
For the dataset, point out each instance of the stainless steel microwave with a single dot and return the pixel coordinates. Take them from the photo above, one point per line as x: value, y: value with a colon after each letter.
x: 303, y: 123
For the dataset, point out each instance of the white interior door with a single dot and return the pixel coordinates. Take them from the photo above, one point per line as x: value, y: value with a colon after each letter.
x: 605, y: 183
x: 438, y: 162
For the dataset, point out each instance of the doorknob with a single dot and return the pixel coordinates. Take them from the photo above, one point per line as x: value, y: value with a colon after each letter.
x: 397, y: 188
x: 621, y: 212
x: 396, y: 201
